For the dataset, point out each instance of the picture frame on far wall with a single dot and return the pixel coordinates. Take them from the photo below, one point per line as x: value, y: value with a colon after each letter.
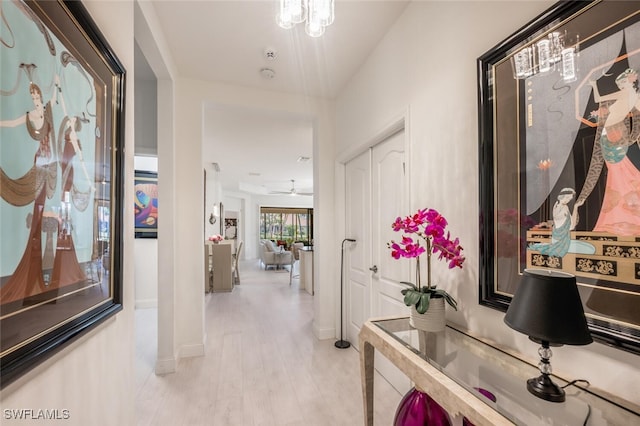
x: 61, y: 187
x: 560, y: 164
x: 145, y: 206
x: 231, y: 228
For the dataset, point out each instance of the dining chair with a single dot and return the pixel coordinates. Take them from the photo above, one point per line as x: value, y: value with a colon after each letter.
x: 295, y: 251
x: 235, y: 257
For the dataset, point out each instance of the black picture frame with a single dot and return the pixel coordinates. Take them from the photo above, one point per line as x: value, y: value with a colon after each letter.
x: 517, y: 94
x: 57, y: 46
x: 145, y: 188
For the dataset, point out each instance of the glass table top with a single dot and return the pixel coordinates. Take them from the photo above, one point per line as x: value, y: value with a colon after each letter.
x: 499, y: 379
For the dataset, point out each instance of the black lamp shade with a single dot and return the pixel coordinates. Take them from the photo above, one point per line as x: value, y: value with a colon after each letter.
x: 547, y: 308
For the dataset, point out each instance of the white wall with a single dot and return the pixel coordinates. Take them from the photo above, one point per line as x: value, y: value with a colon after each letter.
x: 149, y: 36
x: 146, y: 249
x: 93, y: 378
x: 213, y: 197
x: 146, y: 109
x: 427, y: 65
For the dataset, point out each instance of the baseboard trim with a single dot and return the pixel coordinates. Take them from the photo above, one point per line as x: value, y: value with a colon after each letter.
x: 165, y: 366
x: 323, y: 333
x: 191, y: 351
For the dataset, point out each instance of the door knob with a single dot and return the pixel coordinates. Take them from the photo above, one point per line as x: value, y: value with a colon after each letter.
x: 374, y: 268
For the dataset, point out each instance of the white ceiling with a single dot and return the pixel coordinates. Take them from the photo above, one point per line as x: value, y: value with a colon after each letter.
x: 225, y: 41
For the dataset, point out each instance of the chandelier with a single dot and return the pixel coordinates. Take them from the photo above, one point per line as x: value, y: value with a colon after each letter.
x: 318, y: 14
x: 551, y: 53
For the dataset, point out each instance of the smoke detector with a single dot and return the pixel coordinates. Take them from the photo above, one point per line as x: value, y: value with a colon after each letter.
x: 267, y: 73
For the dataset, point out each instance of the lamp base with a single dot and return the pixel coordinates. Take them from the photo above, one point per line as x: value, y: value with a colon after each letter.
x: 342, y: 344
x: 543, y: 387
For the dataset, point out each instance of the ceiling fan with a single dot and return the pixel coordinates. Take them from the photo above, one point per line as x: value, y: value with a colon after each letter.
x: 292, y: 191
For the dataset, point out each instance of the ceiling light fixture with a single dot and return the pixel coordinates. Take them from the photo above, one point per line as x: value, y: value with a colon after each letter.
x: 318, y: 14
x: 293, y: 191
x: 556, y: 52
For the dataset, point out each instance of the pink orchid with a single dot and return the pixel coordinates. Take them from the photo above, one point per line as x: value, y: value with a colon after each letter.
x: 429, y: 226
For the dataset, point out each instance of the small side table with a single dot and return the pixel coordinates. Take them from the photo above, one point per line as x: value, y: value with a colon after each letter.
x: 279, y: 254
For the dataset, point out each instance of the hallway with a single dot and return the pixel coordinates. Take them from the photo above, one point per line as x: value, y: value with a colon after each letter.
x: 262, y: 365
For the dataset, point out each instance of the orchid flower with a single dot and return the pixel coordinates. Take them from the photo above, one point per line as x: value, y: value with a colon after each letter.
x: 424, y: 232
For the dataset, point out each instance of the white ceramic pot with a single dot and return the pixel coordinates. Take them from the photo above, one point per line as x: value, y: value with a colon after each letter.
x: 433, y: 320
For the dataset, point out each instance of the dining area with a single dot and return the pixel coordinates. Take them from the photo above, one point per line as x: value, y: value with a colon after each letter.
x: 221, y: 265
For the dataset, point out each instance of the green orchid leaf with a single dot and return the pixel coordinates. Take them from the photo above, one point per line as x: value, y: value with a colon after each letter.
x: 451, y: 301
x: 412, y: 285
x: 411, y: 298
x: 423, y: 304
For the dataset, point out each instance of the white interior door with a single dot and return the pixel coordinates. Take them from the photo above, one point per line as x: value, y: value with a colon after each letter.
x: 388, y: 201
x: 376, y: 193
x: 358, y: 255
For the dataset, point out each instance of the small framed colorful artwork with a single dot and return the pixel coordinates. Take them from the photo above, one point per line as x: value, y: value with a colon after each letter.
x: 146, y: 204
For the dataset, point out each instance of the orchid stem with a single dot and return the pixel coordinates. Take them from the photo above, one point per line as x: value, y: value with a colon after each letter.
x: 428, y: 264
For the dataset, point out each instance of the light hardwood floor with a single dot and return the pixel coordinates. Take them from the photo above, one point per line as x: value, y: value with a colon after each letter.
x: 262, y: 366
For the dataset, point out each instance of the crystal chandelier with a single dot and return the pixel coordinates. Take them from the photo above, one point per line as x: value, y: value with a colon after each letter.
x: 318, y: 14
x: 551, y: 53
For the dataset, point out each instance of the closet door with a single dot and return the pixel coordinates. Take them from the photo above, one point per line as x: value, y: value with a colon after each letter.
x: 376, y: 194
x: 357, y: 255
x: 376, y: 189
x: 388, y: 201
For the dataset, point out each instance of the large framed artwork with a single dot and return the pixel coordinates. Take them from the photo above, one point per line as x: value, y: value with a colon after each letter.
x: 61, y: 143
x: 559, y: 129
x: 145, y: 204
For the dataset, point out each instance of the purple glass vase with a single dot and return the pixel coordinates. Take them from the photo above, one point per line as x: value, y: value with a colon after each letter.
x: 485, y: 393
x: 418, y: 409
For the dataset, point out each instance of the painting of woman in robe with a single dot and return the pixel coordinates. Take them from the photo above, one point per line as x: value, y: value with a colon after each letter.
x: 44, y: 195
x: 618, y: 118
x: 35, y: 186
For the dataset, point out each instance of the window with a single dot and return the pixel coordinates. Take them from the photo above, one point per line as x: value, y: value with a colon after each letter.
x: 286, y: 224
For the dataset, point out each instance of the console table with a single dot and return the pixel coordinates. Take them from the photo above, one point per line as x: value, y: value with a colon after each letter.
x: 452, y: 367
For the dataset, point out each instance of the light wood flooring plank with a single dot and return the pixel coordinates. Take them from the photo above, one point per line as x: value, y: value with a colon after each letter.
x: 262, y: 365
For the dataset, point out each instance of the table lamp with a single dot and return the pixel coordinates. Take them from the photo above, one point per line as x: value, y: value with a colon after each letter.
x: 547, y: 308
